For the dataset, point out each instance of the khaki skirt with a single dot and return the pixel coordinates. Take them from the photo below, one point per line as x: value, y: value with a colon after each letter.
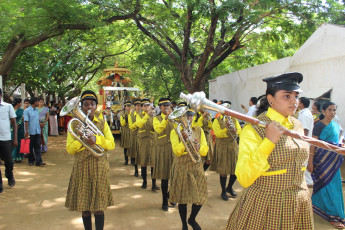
x: 163, y: 161
x: 125, y: 138
x: 225, y: 156
x: 133, y: 145
x: 89, y: 187
x: 188, y: 182
x: 144, y: 153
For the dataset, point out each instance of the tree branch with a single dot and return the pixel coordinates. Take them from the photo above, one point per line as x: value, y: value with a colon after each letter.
x: 157, y: 41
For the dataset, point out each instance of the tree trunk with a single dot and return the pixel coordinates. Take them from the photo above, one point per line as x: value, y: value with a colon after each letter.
x: 8, y: 59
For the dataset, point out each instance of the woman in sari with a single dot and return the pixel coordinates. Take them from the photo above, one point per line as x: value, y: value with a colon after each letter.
x: 53, y: 120
x: 327, y: 199
x: 17, y: 104
x: 43, y: 117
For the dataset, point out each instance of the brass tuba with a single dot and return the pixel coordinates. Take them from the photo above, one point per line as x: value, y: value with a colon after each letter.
x: 179, y: 117
x: 83, y: 125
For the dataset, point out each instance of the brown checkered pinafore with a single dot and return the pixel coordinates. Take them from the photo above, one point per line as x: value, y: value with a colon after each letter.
x: 144, y: 136
x: 278, y: 199
x: 125, y: 134
x: 133, y: 145
x: 188, y: 181
x: 164, y: 154
x: 89, y: 187
x: 225, y: 153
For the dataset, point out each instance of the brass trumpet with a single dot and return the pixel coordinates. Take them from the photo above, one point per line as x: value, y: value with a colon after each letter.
x: 82, y: 125
x: 178, y: 116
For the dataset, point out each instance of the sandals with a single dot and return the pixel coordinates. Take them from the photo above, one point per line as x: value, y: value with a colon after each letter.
x: 338, y: 225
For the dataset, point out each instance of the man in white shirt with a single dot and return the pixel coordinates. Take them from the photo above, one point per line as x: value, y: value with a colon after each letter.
x: 252, y: 107
x: 306, y: 118
x: 7, y: 118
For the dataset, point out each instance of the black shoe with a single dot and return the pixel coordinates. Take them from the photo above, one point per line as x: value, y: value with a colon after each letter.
x: 126, y: 163
x: 1, y: 188
x: 31, y: 164
x: 185, y: 227
x: 12, y: 182
x: 165, y: 207
x: 144, y: 185
x: 224, y: 196
x: 173, y: 204
x: 232, y: 192
x: 194, y: 225
x: 154, y: 188
x: 136, y: 174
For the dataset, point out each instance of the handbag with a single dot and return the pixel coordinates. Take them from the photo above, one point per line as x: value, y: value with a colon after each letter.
x: 25, y: 146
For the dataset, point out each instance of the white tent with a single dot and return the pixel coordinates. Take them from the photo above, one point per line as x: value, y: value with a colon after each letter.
x: 320, y: 59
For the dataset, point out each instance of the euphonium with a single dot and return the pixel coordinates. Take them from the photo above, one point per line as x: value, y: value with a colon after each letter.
x: 179, y: 117
x: 83, y: 125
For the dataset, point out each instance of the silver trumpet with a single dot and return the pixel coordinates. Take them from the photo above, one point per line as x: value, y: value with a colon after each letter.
x: 81, y: 127
x: 178, y: 116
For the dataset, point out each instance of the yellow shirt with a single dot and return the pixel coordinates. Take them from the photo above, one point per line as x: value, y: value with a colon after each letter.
x: 132, y: 125
x: 254, y: 151
x: 142, y: 121
x: 179, y: 148
x: 107, y: 141
x: 200, y: 121
x: 159, y: 126
x: 222, y: 133
x: 123, y: 121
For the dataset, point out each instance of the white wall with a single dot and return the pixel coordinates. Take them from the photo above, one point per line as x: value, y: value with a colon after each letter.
x: 321, y: 60
x: 240, y: 86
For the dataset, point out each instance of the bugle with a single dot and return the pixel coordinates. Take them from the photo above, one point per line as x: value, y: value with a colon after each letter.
x: 199, y: 101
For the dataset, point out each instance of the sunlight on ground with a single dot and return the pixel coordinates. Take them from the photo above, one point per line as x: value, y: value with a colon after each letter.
x: 119, y: 169
x: 77, y: 221
x: 24, y: 180
x: 117, y: 206
x: 57, y: 201
x: 137, y: 196
x: 25, y: 173
x: 119, y: 186
x: 139, y: 223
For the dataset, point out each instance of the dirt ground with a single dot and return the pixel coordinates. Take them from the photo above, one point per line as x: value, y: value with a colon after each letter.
x: 37, y: 200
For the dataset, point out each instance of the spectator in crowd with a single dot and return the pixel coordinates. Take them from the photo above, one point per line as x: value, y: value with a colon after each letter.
x: 32, y: 128
x: 53, y: 120
x: 17, y: 104
x: 26, y: 103
x: 328, y: 200
x: 43, y: 116
x: 307, y: 120
x: 7, y: 118
x: 252, y: 107
x: 305, y: 116
x: 316, y: 111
